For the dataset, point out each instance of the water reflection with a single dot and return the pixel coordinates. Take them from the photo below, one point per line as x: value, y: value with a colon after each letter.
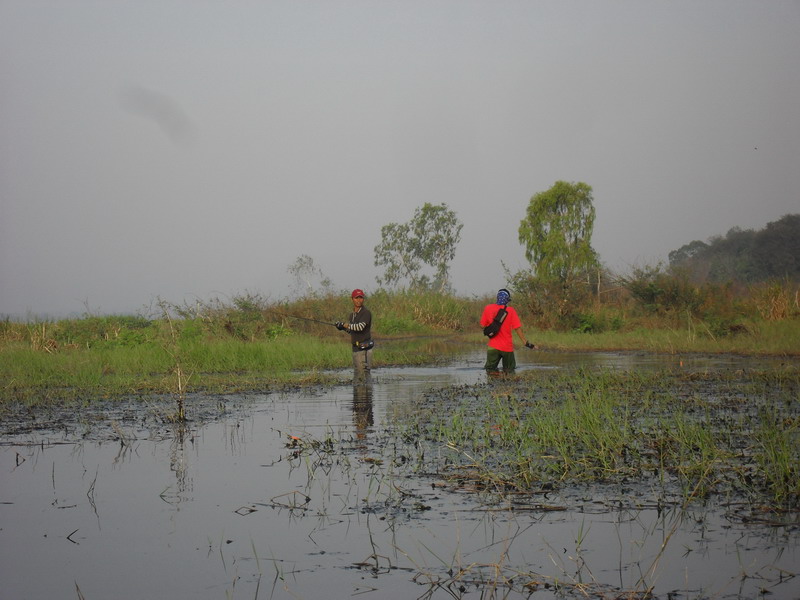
x: 363, y: 417
x: 179, y: 464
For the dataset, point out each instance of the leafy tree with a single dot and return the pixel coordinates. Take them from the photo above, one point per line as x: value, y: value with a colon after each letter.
x: 306, y: 272
x: 437, y: 231
x: 430, y: 238
x: 557, y: 232
x: 687, y: 252
x: 397, y: 253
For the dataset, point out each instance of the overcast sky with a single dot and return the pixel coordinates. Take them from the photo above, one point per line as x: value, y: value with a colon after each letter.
x: 195, y: 149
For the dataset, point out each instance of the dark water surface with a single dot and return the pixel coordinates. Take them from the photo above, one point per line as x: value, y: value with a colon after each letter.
x: 115, y: 504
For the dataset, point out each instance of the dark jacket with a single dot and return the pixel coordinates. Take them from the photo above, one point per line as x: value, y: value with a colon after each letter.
x: 360, y: 326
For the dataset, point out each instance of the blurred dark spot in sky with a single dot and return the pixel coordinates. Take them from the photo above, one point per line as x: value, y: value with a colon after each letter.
x: 161, y: 109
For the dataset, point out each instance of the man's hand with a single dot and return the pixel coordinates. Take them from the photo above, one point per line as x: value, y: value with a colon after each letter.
x: 529, y: 345
x: 339, y: 325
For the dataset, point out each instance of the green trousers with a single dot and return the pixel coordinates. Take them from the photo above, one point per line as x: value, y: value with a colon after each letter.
x: 494, y: 356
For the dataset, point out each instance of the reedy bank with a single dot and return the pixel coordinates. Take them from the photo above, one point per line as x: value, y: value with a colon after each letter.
x: 252, y: 344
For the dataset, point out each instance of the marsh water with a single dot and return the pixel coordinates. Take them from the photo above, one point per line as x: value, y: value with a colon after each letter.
x: 307, y: 494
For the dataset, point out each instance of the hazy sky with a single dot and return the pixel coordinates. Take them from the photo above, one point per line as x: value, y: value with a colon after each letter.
x: 195, y: 149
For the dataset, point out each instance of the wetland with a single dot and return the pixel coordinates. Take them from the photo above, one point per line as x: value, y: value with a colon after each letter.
x: 585, y: 475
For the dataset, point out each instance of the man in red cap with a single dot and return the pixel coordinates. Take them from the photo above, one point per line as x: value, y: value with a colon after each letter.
x: 359, y: 327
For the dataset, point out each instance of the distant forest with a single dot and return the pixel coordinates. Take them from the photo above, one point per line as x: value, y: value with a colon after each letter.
x: 744, y: 255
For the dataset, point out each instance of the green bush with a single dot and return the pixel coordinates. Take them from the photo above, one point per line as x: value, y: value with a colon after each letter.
x: 91, y: 331
x: 660, y: 292
x: 413, y: 312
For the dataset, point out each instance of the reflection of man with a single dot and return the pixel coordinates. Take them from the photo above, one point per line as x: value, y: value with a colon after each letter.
x: 359, y: 327
x: 362, y: 408
x: 501, y: 345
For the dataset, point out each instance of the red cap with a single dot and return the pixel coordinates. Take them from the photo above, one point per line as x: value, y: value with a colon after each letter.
x: 356, y: 293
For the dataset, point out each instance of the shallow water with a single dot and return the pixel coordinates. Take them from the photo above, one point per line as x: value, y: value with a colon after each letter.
x: 233, y: 507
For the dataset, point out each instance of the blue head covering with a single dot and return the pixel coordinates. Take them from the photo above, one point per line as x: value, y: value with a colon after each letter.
x: 503, y: 297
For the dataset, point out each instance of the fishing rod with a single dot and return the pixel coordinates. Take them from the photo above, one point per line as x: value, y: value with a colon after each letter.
x: 302, y: 318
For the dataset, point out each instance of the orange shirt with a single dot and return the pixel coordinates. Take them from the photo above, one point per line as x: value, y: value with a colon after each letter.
x: 502, y: 341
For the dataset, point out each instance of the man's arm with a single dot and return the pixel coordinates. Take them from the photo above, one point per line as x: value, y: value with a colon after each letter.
x: 359, y: 326
x: 521, y: 336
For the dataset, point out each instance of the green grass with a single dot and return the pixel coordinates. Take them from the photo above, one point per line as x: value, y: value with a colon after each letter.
x: 764, y: 338
x: 253, y: 344
x: 776, y: 452
x: 221, y: 365
x: 34, y: 376
x: 685, y: 435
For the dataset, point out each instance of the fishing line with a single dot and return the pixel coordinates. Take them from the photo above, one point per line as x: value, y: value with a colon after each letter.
x: 301, y: 318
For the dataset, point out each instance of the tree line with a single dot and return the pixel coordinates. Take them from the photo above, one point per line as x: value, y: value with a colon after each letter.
x: 744, y: 256
x: 566, y: 282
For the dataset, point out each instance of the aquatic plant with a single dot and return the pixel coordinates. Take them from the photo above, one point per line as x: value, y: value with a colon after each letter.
x: 777, y: 453
x: 681, y: 434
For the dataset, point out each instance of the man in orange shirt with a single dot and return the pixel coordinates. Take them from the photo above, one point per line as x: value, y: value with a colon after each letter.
x: 501, y: 344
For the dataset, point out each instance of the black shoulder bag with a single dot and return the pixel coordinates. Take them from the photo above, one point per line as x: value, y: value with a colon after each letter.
x: 493, y: 328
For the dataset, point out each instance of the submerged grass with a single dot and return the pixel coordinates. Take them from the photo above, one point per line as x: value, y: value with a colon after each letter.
x: 680, y: 434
